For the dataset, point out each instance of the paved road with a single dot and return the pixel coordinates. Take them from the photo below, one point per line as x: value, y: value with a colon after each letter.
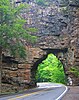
x: 45, y: 91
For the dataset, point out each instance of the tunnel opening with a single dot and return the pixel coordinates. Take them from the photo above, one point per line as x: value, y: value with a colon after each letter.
x: 54, y: 52
x: 50, y: 70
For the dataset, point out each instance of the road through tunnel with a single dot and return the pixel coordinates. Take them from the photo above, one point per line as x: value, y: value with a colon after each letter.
x: 60, y: 54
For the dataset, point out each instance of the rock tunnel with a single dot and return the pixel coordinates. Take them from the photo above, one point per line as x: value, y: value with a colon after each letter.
x: 19, y: 76
x: 58, y: 34
x: 66, y: 50
x: 61, y: 54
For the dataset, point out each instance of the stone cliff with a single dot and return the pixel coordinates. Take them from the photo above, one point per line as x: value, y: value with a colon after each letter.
x: 58, y: 33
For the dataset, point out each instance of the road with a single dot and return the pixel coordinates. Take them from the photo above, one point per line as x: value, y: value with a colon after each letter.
x: 45, y: 91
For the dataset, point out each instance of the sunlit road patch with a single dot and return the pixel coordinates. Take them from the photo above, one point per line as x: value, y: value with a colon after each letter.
x: 48, y: 85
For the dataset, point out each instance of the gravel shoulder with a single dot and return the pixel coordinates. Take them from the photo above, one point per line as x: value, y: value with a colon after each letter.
x: 72, y: 94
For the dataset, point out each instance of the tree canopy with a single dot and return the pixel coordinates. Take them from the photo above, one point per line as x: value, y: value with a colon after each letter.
x: 12, y: 31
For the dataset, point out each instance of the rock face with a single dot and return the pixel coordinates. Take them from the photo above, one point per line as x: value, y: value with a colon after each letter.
x: 0, y: 67
x: 58, y: 34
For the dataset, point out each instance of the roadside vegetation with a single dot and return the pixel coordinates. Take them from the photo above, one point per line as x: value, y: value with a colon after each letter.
x: 75, y: 71
x: 50, y: 70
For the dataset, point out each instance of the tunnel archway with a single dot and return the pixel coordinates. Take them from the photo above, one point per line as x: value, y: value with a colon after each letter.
x: 59, y: 53
x: 51, y: 70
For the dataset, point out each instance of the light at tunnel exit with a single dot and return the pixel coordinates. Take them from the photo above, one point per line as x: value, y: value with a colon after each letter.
x: 50, y: 70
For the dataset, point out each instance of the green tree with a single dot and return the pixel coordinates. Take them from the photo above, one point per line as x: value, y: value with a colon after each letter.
x: 12, y: 32
x: 75, y: 71
x: 50, y: 70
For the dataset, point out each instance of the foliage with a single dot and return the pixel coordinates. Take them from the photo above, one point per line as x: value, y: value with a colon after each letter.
x: 75, y: 71
x: 50, y: 70
x: 12, y: 32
